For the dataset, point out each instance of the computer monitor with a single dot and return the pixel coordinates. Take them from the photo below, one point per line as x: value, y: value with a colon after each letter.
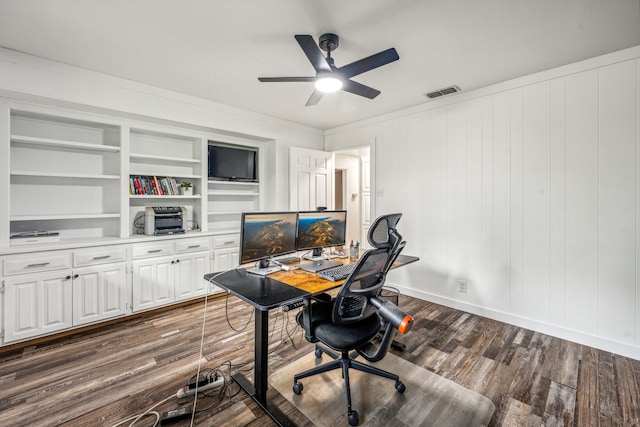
x: 321, y: 229
x: 264, y: 235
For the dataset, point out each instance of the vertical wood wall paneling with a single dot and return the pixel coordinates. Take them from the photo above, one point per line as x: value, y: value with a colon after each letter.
x: 617, y: 204
x: 456, y: 197
x: 486, y: 283
x: 557, y: 201
x: 517, y: 214
x: 437, y: 237
x: 426, y: 207
x: 637, y: 234
x: 536, y: 201
x: 474, y: 198
x: 501, y: 239
x: 582, y: 202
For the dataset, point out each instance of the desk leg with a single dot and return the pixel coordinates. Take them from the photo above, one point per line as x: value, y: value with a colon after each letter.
x: 258, y: 391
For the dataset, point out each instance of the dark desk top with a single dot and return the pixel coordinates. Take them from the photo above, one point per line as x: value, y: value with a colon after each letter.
x: 282, y: 287
x: 262, y: 292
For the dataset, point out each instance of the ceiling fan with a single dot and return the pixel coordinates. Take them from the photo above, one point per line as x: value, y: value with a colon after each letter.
x: 330, y: 78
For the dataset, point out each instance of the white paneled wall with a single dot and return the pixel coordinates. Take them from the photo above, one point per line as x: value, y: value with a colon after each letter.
x: 531, y: 194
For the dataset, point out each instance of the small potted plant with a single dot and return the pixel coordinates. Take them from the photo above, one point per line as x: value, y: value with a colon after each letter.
x: 186, y: 188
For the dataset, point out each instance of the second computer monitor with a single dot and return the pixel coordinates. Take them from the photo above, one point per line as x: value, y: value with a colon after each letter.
x: 321, y: 229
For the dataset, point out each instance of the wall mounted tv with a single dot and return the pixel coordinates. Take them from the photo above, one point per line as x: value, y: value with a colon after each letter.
x: 228, y: 163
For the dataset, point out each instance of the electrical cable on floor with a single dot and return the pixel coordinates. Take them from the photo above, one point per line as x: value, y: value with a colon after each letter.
x: 149, y: 411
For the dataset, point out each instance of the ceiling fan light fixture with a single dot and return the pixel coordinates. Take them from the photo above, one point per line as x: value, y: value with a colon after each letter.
x: 328, y: 84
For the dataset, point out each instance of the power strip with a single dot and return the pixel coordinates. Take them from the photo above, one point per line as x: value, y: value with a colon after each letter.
x: 186, y: 391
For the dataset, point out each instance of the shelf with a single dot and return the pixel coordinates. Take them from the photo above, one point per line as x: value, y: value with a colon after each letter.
x: 46, y: 217
x: 161, y: 173
x: 231, y: 193
x: 48, y: 142
x: 239, y: 183
x: 151, y: 158
x: 164, y: 197
x: 62, y: 175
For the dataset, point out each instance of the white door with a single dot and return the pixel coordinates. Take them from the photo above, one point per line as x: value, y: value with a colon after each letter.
x: 99, y: 293
x: 153, y: 282
x: 310, y: 179
x: 37, y: 304
x: 190, y: 271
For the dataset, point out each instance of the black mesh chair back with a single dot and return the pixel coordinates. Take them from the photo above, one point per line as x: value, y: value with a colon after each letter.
x: 366, y: 280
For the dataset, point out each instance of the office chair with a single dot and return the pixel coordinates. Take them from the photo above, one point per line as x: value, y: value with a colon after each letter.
x: 352, y: 319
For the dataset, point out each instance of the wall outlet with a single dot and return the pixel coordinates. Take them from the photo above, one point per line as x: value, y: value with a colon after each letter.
x: 462, y: 286
x: 380, y: 193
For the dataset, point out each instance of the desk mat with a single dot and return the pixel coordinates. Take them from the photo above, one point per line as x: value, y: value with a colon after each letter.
x: 429, y: 399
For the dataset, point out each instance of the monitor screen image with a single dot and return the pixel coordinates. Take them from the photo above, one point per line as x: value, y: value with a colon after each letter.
x: 267, y: 234
x: 321, y: 229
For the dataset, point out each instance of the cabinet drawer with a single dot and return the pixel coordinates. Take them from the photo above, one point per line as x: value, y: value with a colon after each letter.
x: 99, y: 256
x: 191, y: 245
x: 152, y: 249
x: 31, y: 263
x: 226, y: 241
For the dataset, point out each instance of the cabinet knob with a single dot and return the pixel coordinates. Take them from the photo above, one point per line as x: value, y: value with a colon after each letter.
x: 177, y: 260
x: 67, y: 278
x: 75, y: 276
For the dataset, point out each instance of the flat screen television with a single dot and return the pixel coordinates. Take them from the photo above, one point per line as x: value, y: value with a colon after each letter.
x: 232, y: 163
x: 321, y: 229
x: 265, y: 235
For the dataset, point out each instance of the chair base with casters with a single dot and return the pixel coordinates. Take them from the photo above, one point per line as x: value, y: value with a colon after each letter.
x: 345, y: 362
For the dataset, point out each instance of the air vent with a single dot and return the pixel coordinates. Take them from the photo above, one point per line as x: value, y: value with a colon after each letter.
x: 446, y: 91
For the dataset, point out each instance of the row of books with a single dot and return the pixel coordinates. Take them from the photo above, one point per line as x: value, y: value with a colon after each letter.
x: 153, y: 186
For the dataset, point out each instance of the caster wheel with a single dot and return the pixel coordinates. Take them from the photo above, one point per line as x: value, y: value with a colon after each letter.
x: 353, y: 418
x: 297, y: 388
x: 400, y: 387
x: 318, y: 353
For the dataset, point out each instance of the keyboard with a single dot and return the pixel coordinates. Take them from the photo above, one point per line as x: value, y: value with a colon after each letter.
x: 337, y: 273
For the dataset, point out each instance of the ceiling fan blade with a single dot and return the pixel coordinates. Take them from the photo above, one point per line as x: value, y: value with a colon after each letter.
x: 313, y: 52
x: 369, y: 63
x: 315, y: 97
x: 287, y: 79
x: 359, y: 89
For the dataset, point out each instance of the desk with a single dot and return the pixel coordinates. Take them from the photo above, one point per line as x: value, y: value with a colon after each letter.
x: 264, y: 294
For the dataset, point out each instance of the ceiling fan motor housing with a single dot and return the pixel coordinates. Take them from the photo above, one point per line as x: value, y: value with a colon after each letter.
x: 329, y: 42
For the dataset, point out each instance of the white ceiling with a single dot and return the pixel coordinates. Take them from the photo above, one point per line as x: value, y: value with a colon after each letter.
x: 216, y: 49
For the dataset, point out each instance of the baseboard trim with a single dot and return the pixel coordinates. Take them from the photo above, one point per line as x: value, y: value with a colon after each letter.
x: 600, y: 343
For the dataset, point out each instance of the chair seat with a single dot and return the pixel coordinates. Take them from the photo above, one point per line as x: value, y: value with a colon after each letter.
x: 340, y: 337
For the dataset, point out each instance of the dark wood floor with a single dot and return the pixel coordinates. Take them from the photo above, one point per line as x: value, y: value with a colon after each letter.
x: 102, y: 376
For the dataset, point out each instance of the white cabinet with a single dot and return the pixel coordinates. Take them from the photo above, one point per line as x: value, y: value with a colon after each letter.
x: 226, y: 252
x: 37, y: 304
x: 99, y: 293
x: 189, y: 275
x: 163, y: 274
x: 43, y: 293
x: 153, y: 282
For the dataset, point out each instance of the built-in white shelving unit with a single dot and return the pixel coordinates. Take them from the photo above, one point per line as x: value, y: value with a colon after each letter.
x: 64, y: 175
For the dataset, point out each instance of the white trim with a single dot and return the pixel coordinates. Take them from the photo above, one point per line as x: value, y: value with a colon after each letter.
x: 616, y: 347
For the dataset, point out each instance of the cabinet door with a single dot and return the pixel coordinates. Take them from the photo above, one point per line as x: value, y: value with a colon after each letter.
x: 153, y: 282
x: 37, y: 304
x: 225, y: 259
x: 99, y: 293
x: 190, y: 271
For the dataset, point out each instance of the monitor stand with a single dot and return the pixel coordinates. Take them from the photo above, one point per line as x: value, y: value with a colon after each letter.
x: 263, y: 268
x: 316, y: 254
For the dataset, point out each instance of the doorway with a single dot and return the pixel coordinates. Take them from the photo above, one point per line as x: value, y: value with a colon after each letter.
x: 351, y: 192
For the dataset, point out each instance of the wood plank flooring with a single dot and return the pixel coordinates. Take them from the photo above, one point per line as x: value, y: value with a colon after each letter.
x: 105, y: 375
